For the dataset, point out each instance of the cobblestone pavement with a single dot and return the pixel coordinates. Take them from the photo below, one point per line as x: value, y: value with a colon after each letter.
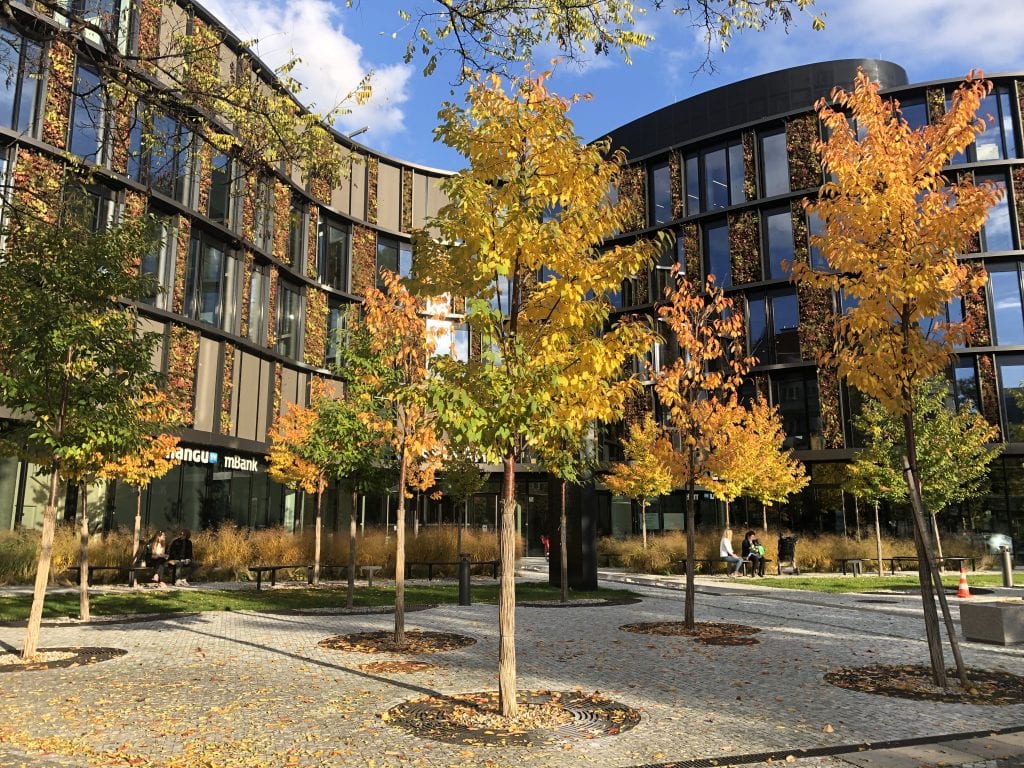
x: 250, y: 689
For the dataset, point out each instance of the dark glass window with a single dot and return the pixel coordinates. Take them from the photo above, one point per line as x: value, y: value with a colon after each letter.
x: 1011, y: 389
x: 997, y: 142
x: 737, y: 193
x: 796, y: 396
x: 661, y: 194
x: 332, y: 253
x: 393, y: 256
x: 997, y: 233
x: 716, y: 253
x: 210, y: 281
x: 915, y: 113
x: 816, y: 228
x: 774, y: 163
x: 159, y: 262
x: 661, y: 275
x: 1005, y: 286
x: 21, y: 70
x: 219, y: 205
x: 337, y: 317
x: 692, y: 185
x: 289, y: 313
x: 88, y: 116
x: 773, y: 327
x: 259, y: 290
x: 716, y: 179
x: 965, y: 385
x: 159, y: 154
x: 296, y: 232
x: 778, y: 231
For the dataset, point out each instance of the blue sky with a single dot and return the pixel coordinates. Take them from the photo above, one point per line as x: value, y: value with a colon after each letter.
x: 931, y: 39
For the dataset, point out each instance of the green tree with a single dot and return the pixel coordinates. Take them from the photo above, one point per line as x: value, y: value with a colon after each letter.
x: 460, y: 480
x: 70, y: 347
x: 488, y: 35
x: 954, y: 450
x: 533, y: 203
x: 893, y: 226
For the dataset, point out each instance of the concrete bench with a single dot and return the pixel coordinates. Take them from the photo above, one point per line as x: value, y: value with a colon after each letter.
x: 259, y: 570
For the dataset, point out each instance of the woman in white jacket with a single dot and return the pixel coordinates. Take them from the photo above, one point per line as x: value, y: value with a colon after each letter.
x: 726, y: 553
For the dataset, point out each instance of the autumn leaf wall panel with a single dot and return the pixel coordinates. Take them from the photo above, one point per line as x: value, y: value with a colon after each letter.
x: 675, y: 167
x: 988, y: 390
x: 633, y: 190
x: 408, y: 179
x: 315, y: 348
x: 59, y: 90
x: 979, y: 333
x: 364, y: 259
x: 804, y: 166
x: 372, y: 167
x: 745, y: 247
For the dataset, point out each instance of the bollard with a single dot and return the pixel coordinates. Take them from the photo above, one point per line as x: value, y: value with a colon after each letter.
x: 1007, y: 567
x: 464, y: 580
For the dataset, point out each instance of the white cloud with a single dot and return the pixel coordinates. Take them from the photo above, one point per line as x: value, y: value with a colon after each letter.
x: 332, y: 63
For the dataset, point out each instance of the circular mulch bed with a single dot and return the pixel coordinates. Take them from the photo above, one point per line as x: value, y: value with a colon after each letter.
x: 383, y: 667
x: 707, y: 632
x: 57, y: 658
x: 383, y: 642
x: 907, y: 681
x: 545, y: 717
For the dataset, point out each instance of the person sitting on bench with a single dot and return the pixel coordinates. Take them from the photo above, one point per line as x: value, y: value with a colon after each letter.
x: 726, y: 553
x: 157, y: 557
x: 754, y: 552
x: 180, y: 553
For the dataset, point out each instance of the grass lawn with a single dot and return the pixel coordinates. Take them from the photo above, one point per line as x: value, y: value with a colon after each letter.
x: 64, y: 604
x: 873, y: 583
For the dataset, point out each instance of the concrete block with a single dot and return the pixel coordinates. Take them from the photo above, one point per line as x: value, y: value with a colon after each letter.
x: 999, y: 622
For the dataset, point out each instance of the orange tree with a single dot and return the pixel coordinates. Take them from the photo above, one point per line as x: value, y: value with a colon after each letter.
x: 520, y: 241
x: 893, y: 226
x: 699, y: 390
x: 397, y: 380
x: 649, y: 469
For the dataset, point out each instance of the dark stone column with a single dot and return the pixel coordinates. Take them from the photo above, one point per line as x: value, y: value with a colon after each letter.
x: 581, y: 539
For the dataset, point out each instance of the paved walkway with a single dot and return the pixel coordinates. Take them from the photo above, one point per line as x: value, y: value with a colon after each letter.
x: 250, y: 689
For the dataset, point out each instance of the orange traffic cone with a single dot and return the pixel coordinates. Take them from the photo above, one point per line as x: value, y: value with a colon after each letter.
x: 963, y: 590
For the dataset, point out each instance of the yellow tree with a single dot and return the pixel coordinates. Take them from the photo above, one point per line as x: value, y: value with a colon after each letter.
x: 521, y: 241
x: 699, y: 390
x: 395, y: 325
x: 751, y: 459
x: 291, y: 462
x: 153, y: 459
x: 893, y: 226
x: 649, y: 469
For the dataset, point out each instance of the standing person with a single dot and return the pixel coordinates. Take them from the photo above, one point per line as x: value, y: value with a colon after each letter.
x: 157, y: 557
x: 726, y: 553
x: 754, y: 552
x: 180, y: 553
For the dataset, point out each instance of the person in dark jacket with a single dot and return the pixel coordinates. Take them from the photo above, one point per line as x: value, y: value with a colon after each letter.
x: 180, y: 554
x: 754, y: 552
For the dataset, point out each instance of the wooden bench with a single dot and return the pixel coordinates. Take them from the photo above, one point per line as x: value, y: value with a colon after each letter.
x: 368, y: 571
x: 708, y: 565
x: 430, y: 564
x: 259, y: 570
x: 131, y: 573
x: 954, y: 561
x: 853, y: 565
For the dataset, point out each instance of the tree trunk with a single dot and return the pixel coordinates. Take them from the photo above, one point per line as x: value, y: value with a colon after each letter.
x: 878, y: 540
x: 458, y: 528
x: 137, y: 528
x: 507, y: 594
x: 416, y: 517
x: 727, y: 524
x: 764, y: 519
x: 35, y: 616
x: 938, y: 540
x: 563, y: 548
x: 924, y: 569
x: 350, y: 592
x: 83, y: 554
x: 954, y: 643
x: 643, y: 521
x: 403, y: 466
x: 856, y: 516
x: 317, y: 533
x: 691, y: 544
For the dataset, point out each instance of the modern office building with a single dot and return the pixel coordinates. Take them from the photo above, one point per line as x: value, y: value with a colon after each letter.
x: 257, y: 264
x: 726, y: 171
